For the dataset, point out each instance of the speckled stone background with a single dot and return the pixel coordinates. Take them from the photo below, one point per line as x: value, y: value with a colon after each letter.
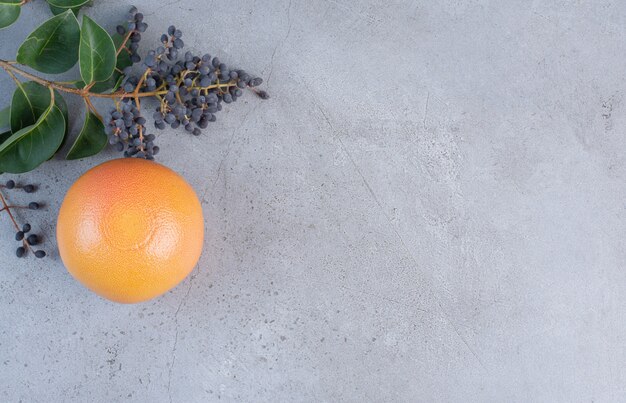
x: 431, y: 207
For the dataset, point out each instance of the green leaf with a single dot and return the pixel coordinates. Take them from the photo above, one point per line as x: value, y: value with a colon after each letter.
x: 5, y: 118
x: 96, y: 53
x: 52, y: 47
x: 29, y: 147
x: 91, y: 139
x: 60, y: 6
x: 60, y: 103
x: 67, y: 3
x: 30, y: 100
x: 115, y: 81
x: 9, y: 12
x: 4, y: 136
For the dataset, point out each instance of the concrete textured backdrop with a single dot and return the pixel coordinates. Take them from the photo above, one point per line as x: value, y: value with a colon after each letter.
x: 430, y: 208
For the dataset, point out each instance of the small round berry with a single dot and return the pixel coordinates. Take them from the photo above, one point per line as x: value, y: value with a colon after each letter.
x: 150, y: 61
x: 10, y: 184
x: 263, y: 95
x: 255, y: 82
x: 29, y: 188
x: 19, y: 235
x: 26, y: 228
x: 40, y: 254
x: 32, y: 239
x: 33, y: 206
x: 171, y: 30
x: 173, y: 54
x: 120, y: 29
x: 20, y: 252
x: 196, y: 115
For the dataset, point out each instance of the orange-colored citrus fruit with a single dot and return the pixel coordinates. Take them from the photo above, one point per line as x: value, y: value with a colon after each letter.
x: 130, y: 229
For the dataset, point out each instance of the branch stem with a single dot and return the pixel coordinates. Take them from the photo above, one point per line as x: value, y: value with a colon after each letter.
x: 7, y: 208
x: 10, y: 69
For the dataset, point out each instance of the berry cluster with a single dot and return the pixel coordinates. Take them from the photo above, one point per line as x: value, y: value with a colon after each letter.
x: 23, y: 235
x: 127, y: 131
x: 134, y: 29
x: 190, y: 89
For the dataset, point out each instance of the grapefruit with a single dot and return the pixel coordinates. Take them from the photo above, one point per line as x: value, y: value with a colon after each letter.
x: 130, y: 229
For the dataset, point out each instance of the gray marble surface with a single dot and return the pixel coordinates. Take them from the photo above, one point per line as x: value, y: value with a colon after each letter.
x: 430, y: 208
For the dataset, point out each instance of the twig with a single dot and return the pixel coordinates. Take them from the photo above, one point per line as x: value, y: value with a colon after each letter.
x: 123, y: 44
x: 93, y: 108
x: 17, y: 227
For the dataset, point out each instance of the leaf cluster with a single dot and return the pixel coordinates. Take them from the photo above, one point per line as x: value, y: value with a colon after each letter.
x: 34, y: 126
